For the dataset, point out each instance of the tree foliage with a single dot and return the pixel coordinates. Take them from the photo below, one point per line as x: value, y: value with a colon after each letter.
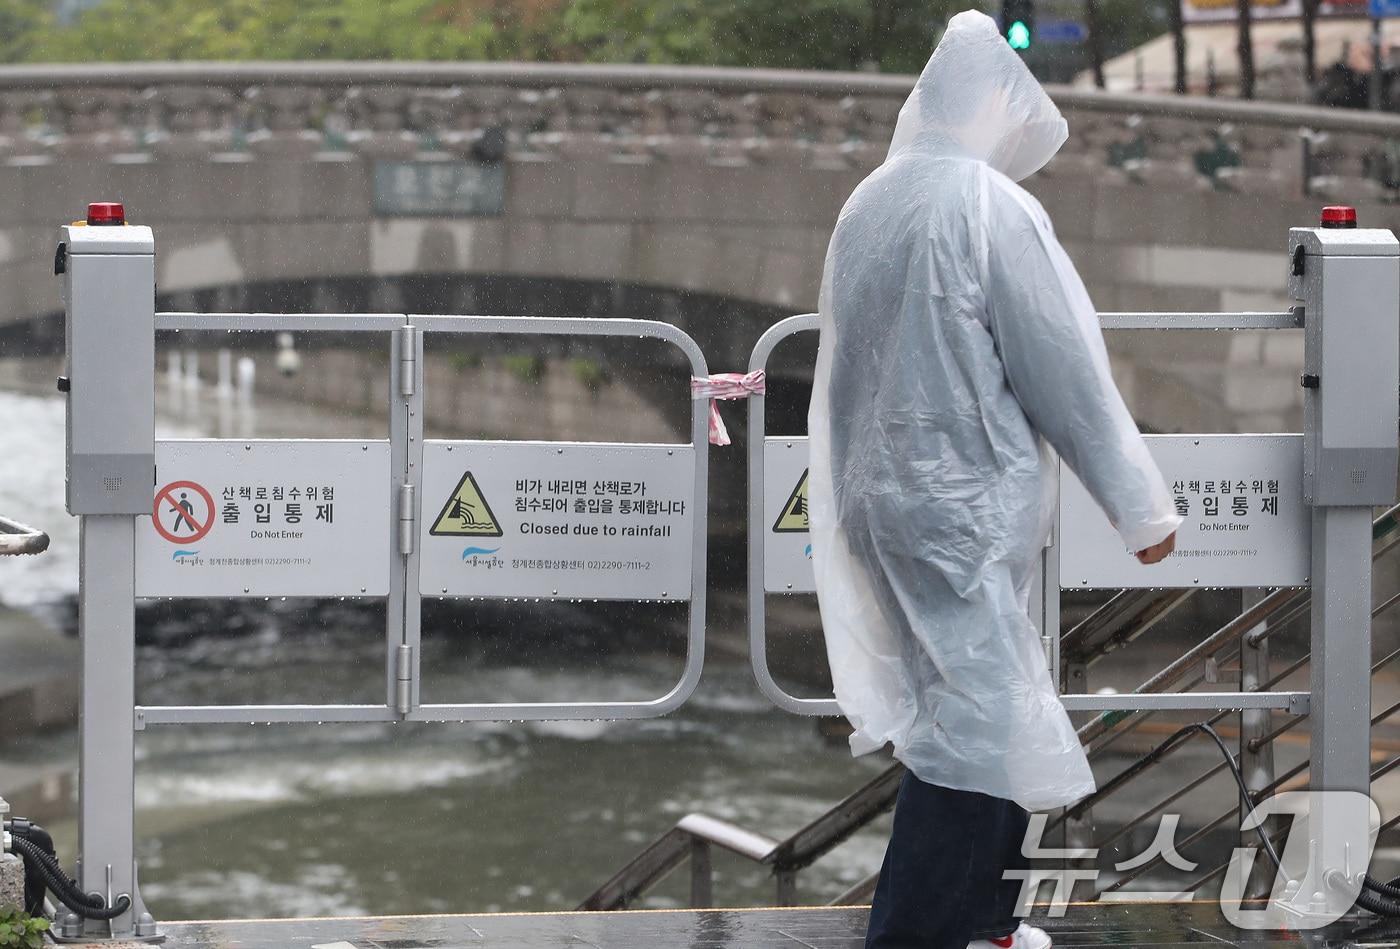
x: 253, y: 29
x: 1130, y: 23
x: 888, y: 35
x: 21, y: 21
x: 641, y: 31
x: 893, y: 35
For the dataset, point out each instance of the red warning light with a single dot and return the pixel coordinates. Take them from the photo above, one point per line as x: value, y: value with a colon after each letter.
x: 1338, y: 216
x: 106, y: 212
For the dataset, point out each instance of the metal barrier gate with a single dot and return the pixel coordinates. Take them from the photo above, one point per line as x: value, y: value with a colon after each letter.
x: 780, y: 551
x: 419, y: 501
x: 399, y: 518
x: 1303, y: 500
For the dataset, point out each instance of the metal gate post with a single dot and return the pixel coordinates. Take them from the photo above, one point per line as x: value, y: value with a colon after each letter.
x: 1045, y: 600
x: 1256, y: 751
x: 1341, y: 650
x: 107, y: 736
x: 1349, y: 282
x: 109, y: 311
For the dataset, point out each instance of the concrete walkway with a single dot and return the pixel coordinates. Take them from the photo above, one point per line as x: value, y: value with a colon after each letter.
x: 1084, y: 925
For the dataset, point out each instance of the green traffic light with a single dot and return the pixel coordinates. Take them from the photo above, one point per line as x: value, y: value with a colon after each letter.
x: 1019, y: 35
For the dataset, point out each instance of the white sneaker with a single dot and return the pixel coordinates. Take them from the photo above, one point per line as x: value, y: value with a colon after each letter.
x: 1025, y: 937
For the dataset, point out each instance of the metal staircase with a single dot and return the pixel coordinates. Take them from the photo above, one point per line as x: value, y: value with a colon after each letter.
x: 1124, y: 618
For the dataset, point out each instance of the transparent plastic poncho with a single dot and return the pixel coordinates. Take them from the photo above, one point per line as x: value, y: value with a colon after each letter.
x: 959, y: 352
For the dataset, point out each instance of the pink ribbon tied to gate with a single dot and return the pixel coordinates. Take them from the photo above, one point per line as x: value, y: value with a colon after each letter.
x: 726, y: 386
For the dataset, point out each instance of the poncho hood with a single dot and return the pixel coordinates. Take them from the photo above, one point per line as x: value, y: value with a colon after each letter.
x: 976, y: 98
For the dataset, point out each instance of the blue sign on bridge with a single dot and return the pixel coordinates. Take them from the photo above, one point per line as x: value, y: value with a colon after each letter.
x: 1061, y: 31
x: 1384, y: 8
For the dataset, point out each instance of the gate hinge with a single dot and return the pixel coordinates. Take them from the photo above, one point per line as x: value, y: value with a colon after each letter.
x: 403, y: 680
x: 408, y: 360
x: 407, y: 520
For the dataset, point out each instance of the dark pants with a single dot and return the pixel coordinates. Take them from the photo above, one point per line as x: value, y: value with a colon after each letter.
x: 941, y: 884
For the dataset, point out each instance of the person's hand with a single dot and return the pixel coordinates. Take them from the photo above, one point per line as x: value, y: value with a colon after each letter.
x: 1158, y: 552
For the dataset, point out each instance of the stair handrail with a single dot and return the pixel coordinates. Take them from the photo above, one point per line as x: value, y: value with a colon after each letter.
x: 694, y: 836
x: 17, y: 538
x: 1386, y: 538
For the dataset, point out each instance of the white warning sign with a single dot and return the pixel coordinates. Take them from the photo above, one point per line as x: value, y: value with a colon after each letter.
x: 1244, y: 520
x: 1241, y: 496
x: 557, y: 520
x: 787, y: 545
x: 266, y: 518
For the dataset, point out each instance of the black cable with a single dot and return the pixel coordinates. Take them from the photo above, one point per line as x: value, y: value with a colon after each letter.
x: 43, y: 871
x: 1383, y: 899
x: 1376, y: 903
x: 34, y: 885
x: 1381, y: 929
x: 63, y: 888
x: 1245, y: 798
x: 89, y: 906
x: 1384, y: 889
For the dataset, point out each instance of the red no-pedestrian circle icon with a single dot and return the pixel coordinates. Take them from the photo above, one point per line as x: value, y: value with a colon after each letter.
x: 176, y: 514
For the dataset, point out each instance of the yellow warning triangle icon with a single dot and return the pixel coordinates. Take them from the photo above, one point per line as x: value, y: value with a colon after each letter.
x: 466, y: 513
x: 793, y: 519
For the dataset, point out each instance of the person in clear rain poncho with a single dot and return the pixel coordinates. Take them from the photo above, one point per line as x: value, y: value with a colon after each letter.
x: 957, y: 340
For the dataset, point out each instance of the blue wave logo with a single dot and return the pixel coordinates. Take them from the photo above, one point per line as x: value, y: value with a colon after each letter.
x: 180, y: 554
x: 471, y: 552
x: 808, y: 551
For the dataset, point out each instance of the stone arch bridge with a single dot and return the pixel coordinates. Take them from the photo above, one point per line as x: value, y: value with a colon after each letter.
x: 700, y: 196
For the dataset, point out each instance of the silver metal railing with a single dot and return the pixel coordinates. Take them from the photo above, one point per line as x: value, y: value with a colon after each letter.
x: 17, y: 538
x: 1131, y: 610
x: 406, y: 396
x: 1277, y: 609
x: 695, y: 837
x: 1125, y: 617
x: 1074, y: 699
